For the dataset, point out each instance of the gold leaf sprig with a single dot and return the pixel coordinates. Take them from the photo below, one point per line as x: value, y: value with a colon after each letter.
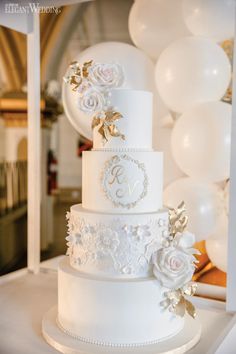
x: 79, y: 72
x: 107, y: 127
x: 177, y: 219
x: 176, y: 302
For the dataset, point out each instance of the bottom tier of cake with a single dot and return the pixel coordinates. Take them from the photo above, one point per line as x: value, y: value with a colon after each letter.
x: 113, y: 312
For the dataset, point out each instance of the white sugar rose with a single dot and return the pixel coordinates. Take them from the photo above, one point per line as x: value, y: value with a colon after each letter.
x: 92, y: 100
x: 106, y: 75
x: 173, y: 266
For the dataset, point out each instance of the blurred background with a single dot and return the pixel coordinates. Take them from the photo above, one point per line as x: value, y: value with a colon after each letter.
x: 64, y: 36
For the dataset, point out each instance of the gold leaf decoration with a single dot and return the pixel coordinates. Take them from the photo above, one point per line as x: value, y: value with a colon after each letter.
x: 228, y: 47
x: 177, y: 303
x: 177, y: 219
x: 190, y: 308
x: 75, y: 82
x: 180, y: 307
x: 79, y: 72
x: 85, y: 68
x: 107, y: 127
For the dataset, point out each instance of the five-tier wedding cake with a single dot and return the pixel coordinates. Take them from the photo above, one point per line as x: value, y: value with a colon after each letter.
x: 130, y: 261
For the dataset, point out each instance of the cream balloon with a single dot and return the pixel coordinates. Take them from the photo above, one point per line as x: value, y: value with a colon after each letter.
x: 216, y: 245
x: 138, y: 70
x: 226, y: 196
x: 161, y: 141
x: 200, y: 141
x: 210, y: 18
x: 190, y: 71
x: 154, y: 24
x: 204, y: 204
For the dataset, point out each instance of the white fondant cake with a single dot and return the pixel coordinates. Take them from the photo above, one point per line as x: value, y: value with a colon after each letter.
x: 136, y: 122
x: 116, y: 287
x: 105, y: 311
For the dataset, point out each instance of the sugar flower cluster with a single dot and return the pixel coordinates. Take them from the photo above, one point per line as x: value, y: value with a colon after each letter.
x: 174, y: 264
x: 93, y: 81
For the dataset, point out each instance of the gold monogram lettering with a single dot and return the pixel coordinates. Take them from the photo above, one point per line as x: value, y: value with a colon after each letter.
x: 119, y: 176
x: 117, y: 173
x: 131, y: 189
x: 120, y: 193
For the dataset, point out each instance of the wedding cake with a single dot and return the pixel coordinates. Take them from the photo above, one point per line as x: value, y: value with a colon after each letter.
x: 130, y: 261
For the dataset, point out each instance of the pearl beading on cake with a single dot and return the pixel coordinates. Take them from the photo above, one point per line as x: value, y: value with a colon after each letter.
x: 108, y: 344
x: 123, y: 149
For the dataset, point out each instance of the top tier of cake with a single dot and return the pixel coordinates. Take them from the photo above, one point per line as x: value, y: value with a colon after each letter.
x: 135, y: 106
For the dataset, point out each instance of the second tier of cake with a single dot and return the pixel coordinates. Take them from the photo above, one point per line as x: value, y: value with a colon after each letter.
x: 114, y: 246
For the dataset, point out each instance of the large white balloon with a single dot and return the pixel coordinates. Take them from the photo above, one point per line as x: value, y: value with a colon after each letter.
x: 203, y: 202
x: 161, y: 142
x: 216, y: 245
x: 138, y: 70
x: 154, y: 24
x: 190, y: 71
x: 200, y: 141
x: 226, y: 196
x: 210, y: 18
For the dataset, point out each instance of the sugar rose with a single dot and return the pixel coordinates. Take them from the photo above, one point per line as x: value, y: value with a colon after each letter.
x: 91, y: 101
x: 173, y: 267
x: 106, y: 75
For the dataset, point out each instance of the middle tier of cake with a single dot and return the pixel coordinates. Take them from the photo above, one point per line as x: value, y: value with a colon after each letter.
x: 114, y: 245
x: 122, y: 182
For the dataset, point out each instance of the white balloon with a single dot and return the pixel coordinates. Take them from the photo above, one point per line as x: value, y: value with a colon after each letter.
x: 204, y: 204
x: 161, y: 142
x: 154, y: 24
x: 216, y: 245
x: 200, y: 141
x: 226, y: 196
x: 190, y: 71
x: 138, y: 70
x: 210, y: 18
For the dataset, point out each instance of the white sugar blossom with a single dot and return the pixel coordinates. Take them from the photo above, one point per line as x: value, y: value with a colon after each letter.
x: 106, y: 75
x: 92, y: 100
x: 174, y: 265
x: 73, y: 239
x: 107, y: 240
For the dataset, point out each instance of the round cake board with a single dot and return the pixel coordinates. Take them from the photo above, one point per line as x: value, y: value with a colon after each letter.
x: 181, y: 343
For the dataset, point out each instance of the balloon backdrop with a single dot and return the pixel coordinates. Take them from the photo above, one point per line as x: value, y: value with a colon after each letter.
x: 192, y: 70
x: 210, y: 18
x: 154, y: 24
x: 226, y: 197
x: 138, y: 70
x: 161, y: 141
x: 216, y: 245
x: 203, y: 203
x: 200, y: 141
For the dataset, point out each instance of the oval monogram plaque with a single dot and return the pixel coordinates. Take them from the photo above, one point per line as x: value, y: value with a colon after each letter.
x: 124, y: 181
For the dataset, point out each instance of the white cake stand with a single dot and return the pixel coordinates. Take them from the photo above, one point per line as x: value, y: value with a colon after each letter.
x: 184, y: 341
